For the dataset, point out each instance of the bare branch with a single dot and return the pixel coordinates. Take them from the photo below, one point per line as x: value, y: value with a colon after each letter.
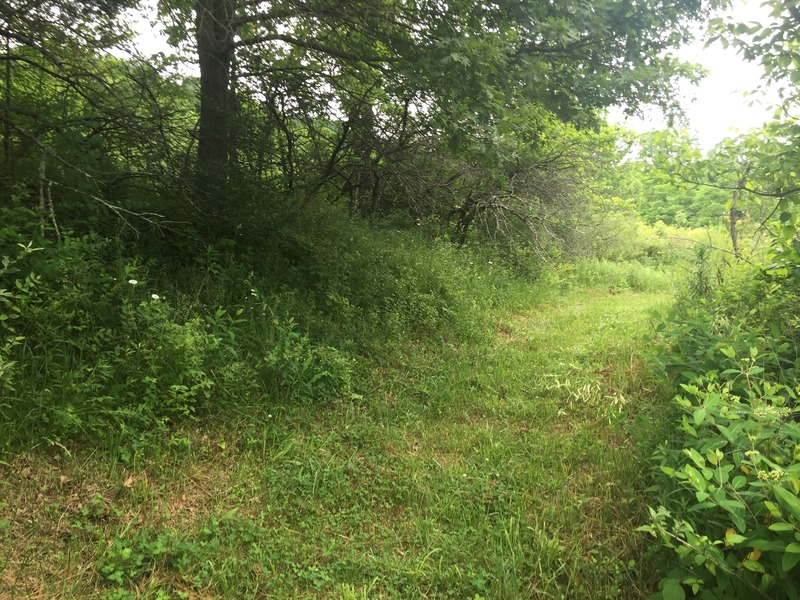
x: 46, y: 150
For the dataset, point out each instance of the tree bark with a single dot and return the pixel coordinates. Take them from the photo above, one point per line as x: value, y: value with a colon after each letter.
x: 734, y: 217
x: 215, y: 51
x: 7, y: 106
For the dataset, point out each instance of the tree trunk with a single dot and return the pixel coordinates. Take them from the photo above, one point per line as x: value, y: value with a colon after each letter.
x: 215, y: 50
x: 734, y: 216
x: 7, y: 106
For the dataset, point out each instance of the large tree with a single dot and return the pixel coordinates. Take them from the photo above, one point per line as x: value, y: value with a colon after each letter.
x: 457, y: 62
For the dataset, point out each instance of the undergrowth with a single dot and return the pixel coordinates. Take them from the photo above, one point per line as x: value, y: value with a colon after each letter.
x: 728, y: 480
x: 459, y: 472
x: 623, y: 276
x: 336, y: 411
x: 102, y: 344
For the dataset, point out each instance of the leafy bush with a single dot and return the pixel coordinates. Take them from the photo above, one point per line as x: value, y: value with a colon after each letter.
x: 706, y: 333
x: 19, y: 288
x: 88, y: 349
x: 730, y: 491
x: 728, y: 481
x: 98, y: 343
x: 104, y: 340
x: 386, y: 287
x: 99, y: 351
x: 303, y: 371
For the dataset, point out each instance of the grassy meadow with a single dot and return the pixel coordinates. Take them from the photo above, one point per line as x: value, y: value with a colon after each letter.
x: 508, y: 464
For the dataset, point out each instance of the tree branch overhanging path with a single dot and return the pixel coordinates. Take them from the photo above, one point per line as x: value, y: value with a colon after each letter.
x: 441, y: 56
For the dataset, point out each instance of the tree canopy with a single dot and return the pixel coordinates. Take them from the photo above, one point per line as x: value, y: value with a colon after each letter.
x: 384, y: 104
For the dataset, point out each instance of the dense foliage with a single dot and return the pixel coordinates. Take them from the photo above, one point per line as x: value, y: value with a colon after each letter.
x: 463, y: 122
x: 452, y: 112
x: 729, y: 477
x: 728, y: 480
x: 309, y: 196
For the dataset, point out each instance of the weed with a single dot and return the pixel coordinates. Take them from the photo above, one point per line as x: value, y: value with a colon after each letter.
x: 347, y: 417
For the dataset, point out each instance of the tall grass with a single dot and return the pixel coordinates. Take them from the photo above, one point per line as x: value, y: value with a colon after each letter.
x: 103, y: 341
x: 622, y: 276
x: 335, y: 410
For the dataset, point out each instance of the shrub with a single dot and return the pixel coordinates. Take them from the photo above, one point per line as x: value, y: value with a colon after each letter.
x: 101, y: 340
x: 93, y: 350
x: 728, y: 481
x: 730, y: 484
x: 303, y: 371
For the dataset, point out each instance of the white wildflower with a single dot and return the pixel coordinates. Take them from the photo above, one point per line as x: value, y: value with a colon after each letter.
x: 155, y: 296
x: 132, y: 281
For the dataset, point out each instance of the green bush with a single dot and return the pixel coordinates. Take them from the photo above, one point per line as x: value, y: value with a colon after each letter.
x: 105, y: 340
x: 730, y: 484
x: 100, y: 351
x: 385, y: 283
x: 748, y: 310
x: 18, y: 288
x: 728, y: 481
x: 98, y: 343
x: 303, y: 371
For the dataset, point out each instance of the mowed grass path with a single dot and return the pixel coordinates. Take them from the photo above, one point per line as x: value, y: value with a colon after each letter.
x: 510, y: 467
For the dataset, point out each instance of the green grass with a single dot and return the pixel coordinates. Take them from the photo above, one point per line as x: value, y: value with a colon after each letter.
x: 623, y: 276
x: 508, y: 466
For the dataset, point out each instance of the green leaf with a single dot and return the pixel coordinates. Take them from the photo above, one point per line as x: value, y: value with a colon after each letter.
x: 699, y: 416
x: 735, y: 538
x: 790, y: 561
x: 695, y: 456
x: 738, y: 521
x: 781, y: 527
x: 673, y: 590
x: 793, y: 548
x: 732, y: 504
x: 231, y: 513
x: 694, y: 478
x: 767, y: 545
x: 688, y: 428
x: 788, y: 500
x: 714, y: 457
x: 773, y: 509
x: 754, y: 565
x: 738, y: 482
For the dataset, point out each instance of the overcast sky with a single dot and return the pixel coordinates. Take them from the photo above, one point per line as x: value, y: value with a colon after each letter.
x: 718, y: 107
